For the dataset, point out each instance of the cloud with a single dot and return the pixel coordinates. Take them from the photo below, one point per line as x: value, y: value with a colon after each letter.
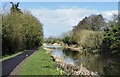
x: 109, y: 14
x: 62, y: 20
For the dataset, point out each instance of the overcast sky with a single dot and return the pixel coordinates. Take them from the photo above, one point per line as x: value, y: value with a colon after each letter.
x: 59, y: 17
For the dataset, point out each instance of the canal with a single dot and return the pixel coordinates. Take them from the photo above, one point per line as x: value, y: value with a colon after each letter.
x: 104, y: 65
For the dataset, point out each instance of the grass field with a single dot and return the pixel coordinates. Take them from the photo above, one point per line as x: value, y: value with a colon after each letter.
x: 40, y: 64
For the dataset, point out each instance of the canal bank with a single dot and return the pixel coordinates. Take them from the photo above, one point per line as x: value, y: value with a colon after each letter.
x: 40, y: 64
x: 69, y: 68
x: 103, y: 65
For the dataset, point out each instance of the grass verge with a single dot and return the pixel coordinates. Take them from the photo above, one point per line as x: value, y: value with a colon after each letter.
x: 12, y: 55
x: 40, y: 64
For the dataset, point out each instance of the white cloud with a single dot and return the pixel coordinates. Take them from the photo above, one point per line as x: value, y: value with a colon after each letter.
x: 109, y: 14
x: 62, y: 20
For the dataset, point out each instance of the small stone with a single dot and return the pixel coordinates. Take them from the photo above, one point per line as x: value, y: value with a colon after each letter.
x: 92, y: 73
x: 46, y: 67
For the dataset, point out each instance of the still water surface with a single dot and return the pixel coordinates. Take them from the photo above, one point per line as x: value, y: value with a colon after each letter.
x: 103, y: 65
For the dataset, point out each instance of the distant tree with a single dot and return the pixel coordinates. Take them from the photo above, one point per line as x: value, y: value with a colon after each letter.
x: 97, y: 22
x: 15, y: 8
x: 69, y: 38
x: 84, y: 24
x: 93, y: 22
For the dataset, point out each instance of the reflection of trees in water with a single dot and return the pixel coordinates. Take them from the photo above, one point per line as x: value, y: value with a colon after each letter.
x: 104, y: 65
x: 113, y: 68
x: 70, y: 52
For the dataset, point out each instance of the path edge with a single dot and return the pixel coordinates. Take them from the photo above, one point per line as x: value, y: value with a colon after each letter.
x: 16, y: 71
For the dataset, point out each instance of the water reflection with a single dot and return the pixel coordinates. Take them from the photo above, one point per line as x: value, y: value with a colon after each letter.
x: 105, y: 65
x: 52, y: 46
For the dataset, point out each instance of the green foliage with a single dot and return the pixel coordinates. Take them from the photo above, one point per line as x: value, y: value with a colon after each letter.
x: 52, y: 40
x: 111, y: 41
x: 96, y: 51
x: 89, y: 39
x: 88, y: 33
x: 20, y: 31
x: 69, y: 38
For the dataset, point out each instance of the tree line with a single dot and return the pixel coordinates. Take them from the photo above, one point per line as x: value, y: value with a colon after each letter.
x: 96, y: 35
x: 20, y: 30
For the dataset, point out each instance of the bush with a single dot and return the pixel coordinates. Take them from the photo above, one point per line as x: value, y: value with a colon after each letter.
x: 69, y: 39
x: 89, y: 39
x: 111, y: 40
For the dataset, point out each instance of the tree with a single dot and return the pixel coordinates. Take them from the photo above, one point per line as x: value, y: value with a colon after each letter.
x: 84, y: 24
x: 97, y: 22
x: 20, y: 31
x: 69, y: 38
x: 15, y: 8
x: 93, y: 22
x: 111, y: 40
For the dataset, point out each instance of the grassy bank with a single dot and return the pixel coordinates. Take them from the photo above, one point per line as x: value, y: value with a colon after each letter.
x: 11, y: 55
x: 40, y: 64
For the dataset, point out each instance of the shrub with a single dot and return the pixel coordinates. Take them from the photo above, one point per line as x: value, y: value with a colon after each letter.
x: 69, y: 39
x: 111, y: 40
x: 89, y: 39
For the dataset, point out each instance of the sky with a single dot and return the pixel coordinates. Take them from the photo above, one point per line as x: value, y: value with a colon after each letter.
x: 60, y: 17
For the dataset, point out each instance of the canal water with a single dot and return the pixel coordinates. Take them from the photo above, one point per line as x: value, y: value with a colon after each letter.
x: 104, y: 65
